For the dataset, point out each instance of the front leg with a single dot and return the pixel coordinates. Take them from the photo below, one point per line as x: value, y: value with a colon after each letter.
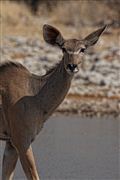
x: 28, y: 163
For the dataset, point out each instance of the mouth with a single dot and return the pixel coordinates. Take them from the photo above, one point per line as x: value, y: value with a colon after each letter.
x: 72, y: 68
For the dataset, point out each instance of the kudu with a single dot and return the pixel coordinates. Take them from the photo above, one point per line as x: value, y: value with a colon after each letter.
x: 28, y: 100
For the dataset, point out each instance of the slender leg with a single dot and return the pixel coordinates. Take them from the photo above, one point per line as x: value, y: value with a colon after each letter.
x: 28, y: 164
x: 9, y: 162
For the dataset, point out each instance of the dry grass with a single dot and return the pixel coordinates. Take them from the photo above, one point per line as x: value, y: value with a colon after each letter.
x: 75, y: 18
x: 97, y: 97
x: 16, y: 19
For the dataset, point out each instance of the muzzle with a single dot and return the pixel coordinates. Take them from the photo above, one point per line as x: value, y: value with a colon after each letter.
x: 73, y: 68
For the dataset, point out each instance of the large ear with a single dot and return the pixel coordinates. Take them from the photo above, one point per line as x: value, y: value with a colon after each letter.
x: 92, y: 38
x: 52, y: 35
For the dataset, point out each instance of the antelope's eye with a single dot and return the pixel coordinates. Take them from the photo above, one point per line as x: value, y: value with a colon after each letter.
x: 82, y: 50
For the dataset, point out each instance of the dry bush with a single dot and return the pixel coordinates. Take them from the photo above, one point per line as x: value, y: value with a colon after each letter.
x: 85, y: 12
x: 34, y: 4
x: 75, y: 12
x: 76, y: 16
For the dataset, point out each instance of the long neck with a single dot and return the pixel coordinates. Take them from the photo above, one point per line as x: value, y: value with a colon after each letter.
x: 54, y: 90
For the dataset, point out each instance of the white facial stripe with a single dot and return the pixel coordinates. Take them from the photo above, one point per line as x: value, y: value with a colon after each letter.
x: 75, y: 52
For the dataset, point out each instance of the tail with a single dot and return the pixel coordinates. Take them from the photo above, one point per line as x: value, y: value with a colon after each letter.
x: 4, y: 138
x: 3, y: 126
x: 2, y: 90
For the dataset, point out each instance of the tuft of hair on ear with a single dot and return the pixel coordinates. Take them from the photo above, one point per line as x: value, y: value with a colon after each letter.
x: 92, y: 38
x: 52, y: 35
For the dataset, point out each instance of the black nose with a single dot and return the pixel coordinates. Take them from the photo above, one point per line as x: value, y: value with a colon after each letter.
x: 71, y: 67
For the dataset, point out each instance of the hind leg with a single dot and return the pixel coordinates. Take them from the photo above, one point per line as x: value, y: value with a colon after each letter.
x: 9, y: 161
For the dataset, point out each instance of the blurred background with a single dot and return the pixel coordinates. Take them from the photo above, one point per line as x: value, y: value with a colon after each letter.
x: 96, y: 89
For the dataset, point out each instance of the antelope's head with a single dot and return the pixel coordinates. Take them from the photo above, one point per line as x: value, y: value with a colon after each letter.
x: 73, y: 49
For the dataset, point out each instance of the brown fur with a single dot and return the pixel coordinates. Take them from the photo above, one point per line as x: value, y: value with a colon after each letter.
x: 28, y: 100
x: 25, y: 101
